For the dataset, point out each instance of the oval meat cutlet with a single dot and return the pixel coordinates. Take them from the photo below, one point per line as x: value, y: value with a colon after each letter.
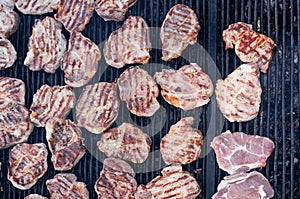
x: 15, y: 125
x: 126, y: 142
x: 129, y: 44
x: 116, y: 180
x: 74, y: 15
x: 182, y: 144
x: 139, y: 90
x: 80, y: 62
x: 97, y: 107
x: 28, y: 163
x: 238, y: 152
x: 173, y: 184
x: 113, y: 9
x: 186, y: 88
x: 46, y: 46
x: 51, y: 102
x: 179, y: 29
x: 9, y: 20
x: 239, y: 94
x: 65, y: 142
x: 35, y: 196
x: 37, y: 7
x: 8, y: 54
x: 12, y: 89
x: 65, y: 186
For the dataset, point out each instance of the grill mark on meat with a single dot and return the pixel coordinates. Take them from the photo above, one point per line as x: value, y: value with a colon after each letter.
x: 8, y: 54
x: 12, y: 89
x: 36, y: 7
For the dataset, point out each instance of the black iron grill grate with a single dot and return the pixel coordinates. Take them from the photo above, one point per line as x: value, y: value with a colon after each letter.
x: 279, y: 113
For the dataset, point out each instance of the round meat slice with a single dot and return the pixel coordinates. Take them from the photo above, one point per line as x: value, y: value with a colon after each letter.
x: 46, y: 46
x: 113, y: 9
x: 173, y: 184
x: 139, y: 90
x: 97, y: 107
x: 15, y: 126
x: 65, y: 186
x: 126, y: 142
x: 36, y: 7
x: 186, y: 88
x: 8, y: 54
x: 65, y: 142
x: 35, y: 196
x: 74, y: 15
x: 238, y: 96
x: 116, y: 180
x: 80, y: 62
x: 9, y: 20
x: 179, y: 29
x: 129, y: 44
x: 12, y: 89
x: 182, y: 144
x: 28, y: 163
x: 51, y: 102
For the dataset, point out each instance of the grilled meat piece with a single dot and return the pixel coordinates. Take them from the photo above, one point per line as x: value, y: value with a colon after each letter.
x: 182, y: 144
x: 129, y: 44
x: 239, y: 95
x: 74, y: 15
x: 28, y: 163
x: 238, y: 152
x: 126, y: 142
x: 250, y: 46
x: 36, y: 7
x: 9, y: 20
x: 247, y: 186
x: 35, y: 196
x: 8, y: 54
x: 116, y: 180
x: 46, y: 46
x: 65, y: 186
x: 174, y: 183
x: 12, y: 89
x: 186, y: 88
x: 65, y: 142
x: 97, y: 107
x: 139, y: 90
x: 80, y: 62
x: 15, y: 126
x: 113, y: 9
x: 51, y: 102
x: 179, y: 29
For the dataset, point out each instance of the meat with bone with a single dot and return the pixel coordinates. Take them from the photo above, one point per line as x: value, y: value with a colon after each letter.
x: 186, y: 88
x: 179, y: 29
x: 28, y: 163
x: 65, y: 142
x: 46, y: 46
x: 65, y: 186
x: 80, y: 62
x: 238, y: 152
x: 129, y: 44
x: 51, y: 102
x: 8, y: 54
x: 116, y: 180
x: 250, y: 46
x: 9, y: 20
x: 126, y: 142
x: 12, y: 89
x: 174, y: 183
x: 113, y: 9
x: 239, y: 95
x: 182, y: 144
x: 247, y: 186
x: 74, y: 15
x: 15, y: 126
x: 97, y: 107
x: 36, y: 7
x: 35, y: 196
x: 139, y: 90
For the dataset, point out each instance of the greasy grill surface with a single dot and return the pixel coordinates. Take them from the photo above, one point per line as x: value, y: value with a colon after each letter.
x: 279, y: 113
